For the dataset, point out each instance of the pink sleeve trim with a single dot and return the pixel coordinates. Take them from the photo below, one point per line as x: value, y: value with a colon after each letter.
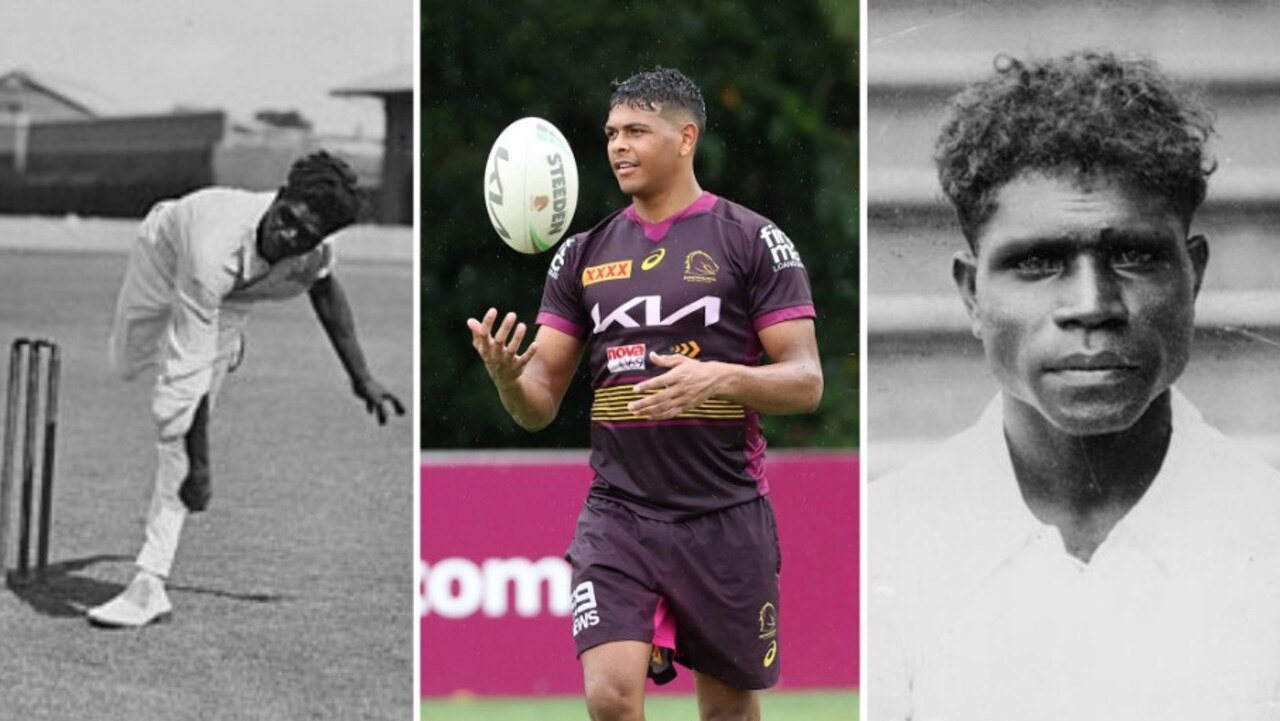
x: 561, y: 324
x: 777, y: 316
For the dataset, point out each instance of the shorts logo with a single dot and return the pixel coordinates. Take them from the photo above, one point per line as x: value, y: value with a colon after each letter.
x: 769, y: 631
x: 690, y: 349
x: 781, y: 248
x: 652, y: 260
x: 585, y: 614
x: 700, y: 267
x: 617, y: 270
x: 768, y: 621
x: 625, y: 357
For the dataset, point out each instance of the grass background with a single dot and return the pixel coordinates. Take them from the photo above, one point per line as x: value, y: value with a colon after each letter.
x: 775, y: 706
x: 293, y: 594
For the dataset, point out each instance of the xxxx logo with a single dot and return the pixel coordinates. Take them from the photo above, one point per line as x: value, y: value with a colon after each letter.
x: 617, y: 270
x: 690, y: 349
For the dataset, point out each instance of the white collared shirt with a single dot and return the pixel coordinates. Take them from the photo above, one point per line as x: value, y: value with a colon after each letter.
x: 203, y: 248
x: 978, y: 613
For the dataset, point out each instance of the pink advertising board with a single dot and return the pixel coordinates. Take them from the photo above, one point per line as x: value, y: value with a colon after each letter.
x: 493, y: 589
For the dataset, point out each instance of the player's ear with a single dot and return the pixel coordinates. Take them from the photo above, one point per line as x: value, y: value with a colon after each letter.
x: 964, y: 271
x: 688, y: 138
x: 1198, y: 248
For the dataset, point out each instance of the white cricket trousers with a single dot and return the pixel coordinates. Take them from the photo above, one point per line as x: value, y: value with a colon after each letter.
x: 142, y: 319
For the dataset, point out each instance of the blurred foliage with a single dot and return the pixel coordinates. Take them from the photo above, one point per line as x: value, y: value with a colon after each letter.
x: 780, y: 80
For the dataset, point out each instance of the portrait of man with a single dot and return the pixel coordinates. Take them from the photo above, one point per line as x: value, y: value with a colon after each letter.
x: 1090, y: 547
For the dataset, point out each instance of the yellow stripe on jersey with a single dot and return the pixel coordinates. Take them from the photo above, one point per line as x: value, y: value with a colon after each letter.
x: 610, y: 405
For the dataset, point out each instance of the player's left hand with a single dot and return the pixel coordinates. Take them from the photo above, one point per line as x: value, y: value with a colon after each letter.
x: 687, y: 384
x: 376, y: 397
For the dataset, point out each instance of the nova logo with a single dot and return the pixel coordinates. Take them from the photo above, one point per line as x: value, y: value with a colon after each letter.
x: 617, y: 270
x: 625, y: 357
x: 652, y: 315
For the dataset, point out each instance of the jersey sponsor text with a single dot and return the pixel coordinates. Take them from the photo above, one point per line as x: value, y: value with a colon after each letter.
x: 585, y: 614
x: 626, y: 357
x: 652, y: 304
x: 557, y: 262
x: 781, y: 248
x: 617, y: 270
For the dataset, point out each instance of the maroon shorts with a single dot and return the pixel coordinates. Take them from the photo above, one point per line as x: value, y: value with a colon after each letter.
x: 715, y: 575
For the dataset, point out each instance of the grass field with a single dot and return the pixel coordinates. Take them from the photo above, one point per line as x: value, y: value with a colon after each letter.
x: 775, y: 706
x: 293, y: 594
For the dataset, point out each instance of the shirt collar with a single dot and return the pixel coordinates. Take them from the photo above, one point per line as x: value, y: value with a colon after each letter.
x: 1159, y: 521
x: 1002, y: 525
x: 1005, y: 526
x: 252, y: 263
x: 657, y: 231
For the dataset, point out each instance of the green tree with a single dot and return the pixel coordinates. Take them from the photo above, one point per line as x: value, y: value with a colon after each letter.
x: 780, y: 81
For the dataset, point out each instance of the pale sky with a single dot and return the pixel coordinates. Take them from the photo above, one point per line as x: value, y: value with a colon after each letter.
x: 139, y: 56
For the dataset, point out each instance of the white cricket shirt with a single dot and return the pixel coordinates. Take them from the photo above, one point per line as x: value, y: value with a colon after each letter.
x: 194, y: 274
x: 978, y: 613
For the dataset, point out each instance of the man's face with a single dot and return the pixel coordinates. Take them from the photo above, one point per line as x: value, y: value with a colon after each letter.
x: 289, y: 227
x: 645, y: 148
x: 1083, y: 293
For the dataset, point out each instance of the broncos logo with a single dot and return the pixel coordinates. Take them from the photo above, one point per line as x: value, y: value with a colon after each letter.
x: 700, y: 267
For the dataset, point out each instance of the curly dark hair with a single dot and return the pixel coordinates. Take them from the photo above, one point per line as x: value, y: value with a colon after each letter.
x: 665, y: 87
x: 1089, y: 113
x: 328, y: 186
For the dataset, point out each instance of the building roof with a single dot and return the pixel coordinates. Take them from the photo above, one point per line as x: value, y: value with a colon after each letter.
x: 395, y: 81
x: 20, y: 81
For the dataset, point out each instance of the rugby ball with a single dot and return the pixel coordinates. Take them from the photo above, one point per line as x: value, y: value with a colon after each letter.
x: 531, y: 185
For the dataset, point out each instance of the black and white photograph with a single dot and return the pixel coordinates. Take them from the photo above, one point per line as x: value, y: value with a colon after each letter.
x: 1073, y: 505
x: 207, y: 319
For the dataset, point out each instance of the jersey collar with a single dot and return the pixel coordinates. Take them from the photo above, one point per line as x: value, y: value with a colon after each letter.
x: 657, y: 231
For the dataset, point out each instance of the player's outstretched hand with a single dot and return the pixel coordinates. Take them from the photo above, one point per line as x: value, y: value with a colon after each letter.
x: 500, y: 349
x: 376, y: 399
x: 685, y: 385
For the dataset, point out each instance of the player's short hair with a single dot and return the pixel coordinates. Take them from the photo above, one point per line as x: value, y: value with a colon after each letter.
x: 1088, y: 113
x: 665, y: 87
x: 328, y: 186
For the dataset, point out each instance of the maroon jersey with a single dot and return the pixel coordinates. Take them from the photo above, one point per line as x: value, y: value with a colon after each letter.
x: 702, y: 284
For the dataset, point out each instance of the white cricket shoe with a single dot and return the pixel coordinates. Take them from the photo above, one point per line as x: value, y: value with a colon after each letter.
x: 143, y: 602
